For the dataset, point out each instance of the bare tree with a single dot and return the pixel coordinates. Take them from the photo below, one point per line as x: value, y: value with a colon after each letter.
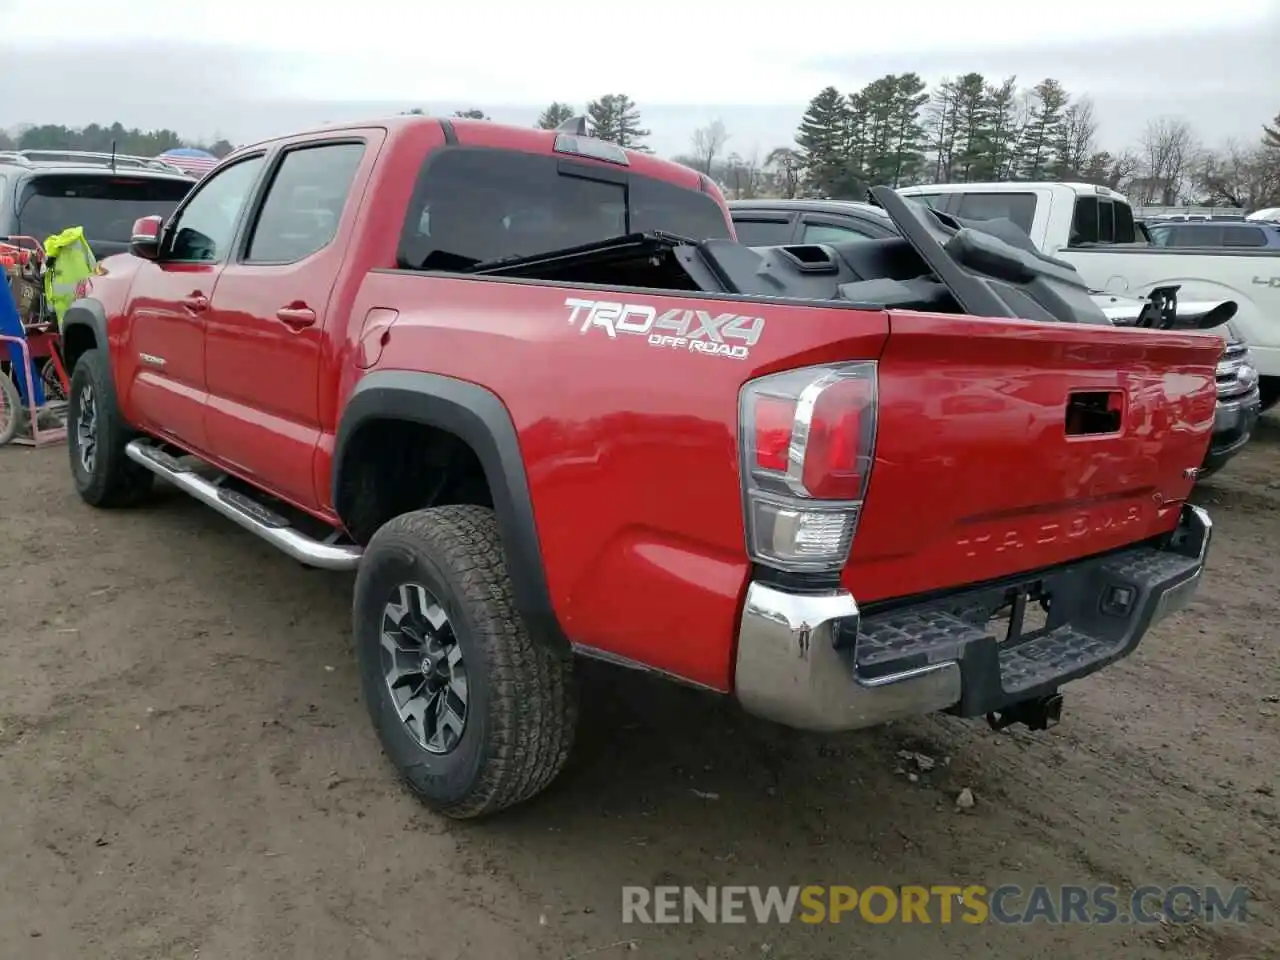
x: 787, y: 167
x: 1168, y: 148
x: 708, y: 143
x: 1077, y: 138
x: 742, y: 176
x: 1238, y: 176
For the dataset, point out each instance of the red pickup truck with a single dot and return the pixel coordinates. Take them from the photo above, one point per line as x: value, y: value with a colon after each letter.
x: 528, y: 385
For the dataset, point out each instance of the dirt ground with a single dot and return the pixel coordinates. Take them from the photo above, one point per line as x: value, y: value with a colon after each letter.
x: 186, y: 771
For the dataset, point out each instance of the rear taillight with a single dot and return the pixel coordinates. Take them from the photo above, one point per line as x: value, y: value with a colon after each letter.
x: 807, y: 440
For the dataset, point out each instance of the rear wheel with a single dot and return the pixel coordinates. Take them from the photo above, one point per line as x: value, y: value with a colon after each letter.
x: 475, y: 713
x: 96, y: 437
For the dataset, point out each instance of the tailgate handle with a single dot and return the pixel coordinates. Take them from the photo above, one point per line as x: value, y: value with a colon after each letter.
x: 1093, y: 413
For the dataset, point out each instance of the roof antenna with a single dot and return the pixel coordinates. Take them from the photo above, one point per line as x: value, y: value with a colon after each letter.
x: 574, y: 125
x: 113, y: 156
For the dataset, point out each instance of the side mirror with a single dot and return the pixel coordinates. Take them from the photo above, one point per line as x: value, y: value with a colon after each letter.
x: 145, y: 239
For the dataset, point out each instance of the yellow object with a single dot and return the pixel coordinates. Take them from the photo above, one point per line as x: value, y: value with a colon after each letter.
x: 70, y: 262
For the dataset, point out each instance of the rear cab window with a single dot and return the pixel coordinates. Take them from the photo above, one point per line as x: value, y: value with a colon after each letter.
x: 474, y: 204
x: 104, y: 204
x: 1102, y: 220
x: 1018, y: 207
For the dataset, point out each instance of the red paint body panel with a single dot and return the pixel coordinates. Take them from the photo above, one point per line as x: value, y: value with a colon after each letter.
x: 975, y: 477
x: 631, y: 450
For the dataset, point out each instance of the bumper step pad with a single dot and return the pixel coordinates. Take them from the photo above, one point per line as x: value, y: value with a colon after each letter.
x: 1099, y: 611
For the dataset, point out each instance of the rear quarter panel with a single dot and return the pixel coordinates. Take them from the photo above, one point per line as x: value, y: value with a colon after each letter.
x: 631, y: 449
x: 1251, y: 279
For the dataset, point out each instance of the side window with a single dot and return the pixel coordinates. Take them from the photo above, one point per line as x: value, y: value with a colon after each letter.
x: 763, y: 233
x: 934, y: 201
x: 304, y: 202
x: 1085, y: 221
x: 1106, y: 221
x: 1126, y: 232
x: 205, y: 227
x: 1196, y: 236
x: 1160, y: 236
x: 1243, y: 237
x: 830, y: 233
x: 1018, y: 207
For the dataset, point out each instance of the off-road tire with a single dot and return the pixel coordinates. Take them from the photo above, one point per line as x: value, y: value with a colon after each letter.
x: 12, y: 412
x: 522, y: 701
x: 115, y: 480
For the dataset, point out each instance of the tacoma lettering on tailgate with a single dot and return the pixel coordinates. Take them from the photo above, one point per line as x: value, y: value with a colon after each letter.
x: 697, y: 331
x: 1082, y: 524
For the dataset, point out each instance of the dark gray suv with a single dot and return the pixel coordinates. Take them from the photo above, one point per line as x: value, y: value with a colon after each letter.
x: 43, y: 192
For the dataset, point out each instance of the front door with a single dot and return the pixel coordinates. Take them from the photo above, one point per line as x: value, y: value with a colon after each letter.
x: 266, y: 331
x: 169, y: 306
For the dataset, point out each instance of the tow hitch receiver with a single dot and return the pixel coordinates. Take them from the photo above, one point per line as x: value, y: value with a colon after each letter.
x: 1039, y: 713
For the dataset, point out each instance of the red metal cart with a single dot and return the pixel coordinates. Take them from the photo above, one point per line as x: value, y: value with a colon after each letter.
x: 23, y: 418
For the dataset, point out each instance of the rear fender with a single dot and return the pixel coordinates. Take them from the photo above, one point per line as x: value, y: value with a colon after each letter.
x: 476, y: 416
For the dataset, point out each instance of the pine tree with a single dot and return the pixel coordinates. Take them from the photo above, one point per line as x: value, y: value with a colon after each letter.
x: 940, y: 130
x: 823, y: 139
x: 998, y: 152
x: 615, y: 117
x: 909, y: 98
x: 1043, y: 130
x: 555, y: 115
x: 876, y: 100
x: 972, y: 126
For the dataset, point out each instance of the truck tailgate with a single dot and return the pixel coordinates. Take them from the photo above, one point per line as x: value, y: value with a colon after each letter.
x: 1005, y: 446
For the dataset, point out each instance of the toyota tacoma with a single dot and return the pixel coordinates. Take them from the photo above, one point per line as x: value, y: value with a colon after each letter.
x: 529, y: 387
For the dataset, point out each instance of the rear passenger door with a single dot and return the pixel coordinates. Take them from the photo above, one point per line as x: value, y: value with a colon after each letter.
x: 270, y: 326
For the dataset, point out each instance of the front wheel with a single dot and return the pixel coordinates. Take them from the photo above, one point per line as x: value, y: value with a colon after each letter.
x: 475, y: 713
x: 96, y: 437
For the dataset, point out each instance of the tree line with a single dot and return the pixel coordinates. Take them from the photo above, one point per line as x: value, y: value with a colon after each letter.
x: 100, y: 139
x: 894, y: 131
x: 897, y: 132
x: 613, y: 117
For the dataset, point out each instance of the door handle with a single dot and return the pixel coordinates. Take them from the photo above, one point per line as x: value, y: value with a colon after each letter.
x: 196, y: 302
x: 296, y: 317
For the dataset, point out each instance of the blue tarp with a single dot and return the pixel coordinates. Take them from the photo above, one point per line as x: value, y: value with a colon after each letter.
x: 11, y: 326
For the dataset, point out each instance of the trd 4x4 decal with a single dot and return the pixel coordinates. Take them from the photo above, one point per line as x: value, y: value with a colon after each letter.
x: 698, y: 331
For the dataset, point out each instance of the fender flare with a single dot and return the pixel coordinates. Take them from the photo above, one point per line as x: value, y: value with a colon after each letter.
x: 475, y: 415
x: 84, y: 314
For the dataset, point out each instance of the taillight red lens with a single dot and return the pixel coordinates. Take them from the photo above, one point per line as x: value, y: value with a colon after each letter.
x: 774, y: 417
x: 835, y: 456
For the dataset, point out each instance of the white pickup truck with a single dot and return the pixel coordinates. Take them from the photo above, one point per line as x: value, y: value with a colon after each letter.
x: 1093, y: 229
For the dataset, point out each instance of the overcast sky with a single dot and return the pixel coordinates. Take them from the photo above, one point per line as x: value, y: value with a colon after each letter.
x: 247, y: 70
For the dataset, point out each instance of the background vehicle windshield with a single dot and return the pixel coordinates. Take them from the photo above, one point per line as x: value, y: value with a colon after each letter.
x: 106, y: 206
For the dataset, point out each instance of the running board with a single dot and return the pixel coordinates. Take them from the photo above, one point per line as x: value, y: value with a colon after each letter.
x: 245, y: 511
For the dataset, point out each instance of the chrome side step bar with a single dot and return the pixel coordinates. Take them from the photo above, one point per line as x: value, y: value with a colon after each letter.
x: 248, y: 513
